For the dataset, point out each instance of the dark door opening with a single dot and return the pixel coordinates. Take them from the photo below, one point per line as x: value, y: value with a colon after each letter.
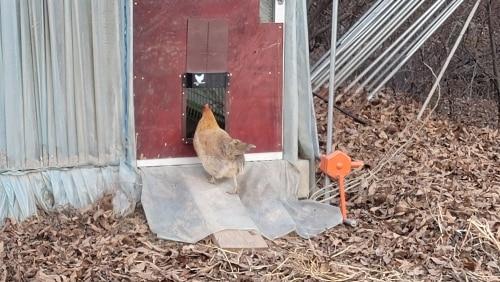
x: 200, y: 89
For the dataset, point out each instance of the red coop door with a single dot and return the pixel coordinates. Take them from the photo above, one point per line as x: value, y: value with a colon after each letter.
x: 188, y: 52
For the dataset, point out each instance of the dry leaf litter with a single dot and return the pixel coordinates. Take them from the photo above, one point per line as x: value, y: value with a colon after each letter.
x: 430, y: 214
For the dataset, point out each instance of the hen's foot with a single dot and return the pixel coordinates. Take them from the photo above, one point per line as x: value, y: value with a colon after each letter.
x: 235, y: 190
x: 232, y: 192
x: 211, y: 180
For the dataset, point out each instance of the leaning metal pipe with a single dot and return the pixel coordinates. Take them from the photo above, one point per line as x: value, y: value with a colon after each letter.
x: 320, y: 69
x: 368, y: 51
x: 365, y: 37
x: 366, y: 30
x: 419, y: 40
x: 324, y: 61
x: 407, y: 54
x: 448, y: 60
x: 319, y: 65
x: 323, y: 65
x: 396, y: 45
x: 362, y: 38
x: 365, y: 19
x: 398, y: 12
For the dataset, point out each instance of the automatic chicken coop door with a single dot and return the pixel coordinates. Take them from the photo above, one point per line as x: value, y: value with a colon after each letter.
x: 207, y: 79
x: 188, y: 53
x: 191, y: 52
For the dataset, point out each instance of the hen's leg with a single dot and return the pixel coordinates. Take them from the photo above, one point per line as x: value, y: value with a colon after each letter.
x: 235, y: 191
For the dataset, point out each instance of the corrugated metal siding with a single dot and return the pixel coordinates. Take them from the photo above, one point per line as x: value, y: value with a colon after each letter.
x: 61, y: 100
x: 66, y: 122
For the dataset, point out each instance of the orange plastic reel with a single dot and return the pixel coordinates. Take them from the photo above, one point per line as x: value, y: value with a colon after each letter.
x: 338, y: 165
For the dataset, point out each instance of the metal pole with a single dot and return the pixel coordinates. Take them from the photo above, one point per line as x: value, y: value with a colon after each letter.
x: 331, y: 88
x: 448, y: 60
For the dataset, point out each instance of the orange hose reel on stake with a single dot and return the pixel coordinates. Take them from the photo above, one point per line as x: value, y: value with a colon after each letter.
x: 338, y: 165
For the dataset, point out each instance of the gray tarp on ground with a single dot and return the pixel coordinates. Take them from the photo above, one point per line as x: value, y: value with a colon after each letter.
x: 181, y: 205
x: 65, y: 122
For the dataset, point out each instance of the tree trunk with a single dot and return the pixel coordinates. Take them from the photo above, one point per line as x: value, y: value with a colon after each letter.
x: 496, y: 81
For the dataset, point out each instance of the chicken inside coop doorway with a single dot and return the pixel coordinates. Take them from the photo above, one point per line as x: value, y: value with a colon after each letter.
x: 200, y: 89
x: 206, y: 80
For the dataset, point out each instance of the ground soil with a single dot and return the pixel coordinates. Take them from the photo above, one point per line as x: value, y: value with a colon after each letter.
x: 431, y: 213
x: 427, y: 204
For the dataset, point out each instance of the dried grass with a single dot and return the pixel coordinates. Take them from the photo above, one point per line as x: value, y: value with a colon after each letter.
x: 431, y: 214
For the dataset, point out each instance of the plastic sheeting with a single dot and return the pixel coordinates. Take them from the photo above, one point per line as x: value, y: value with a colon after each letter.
x: 21, y: 195
x: 64, y: 104
x: 301, y: 138
x: 181, y: 205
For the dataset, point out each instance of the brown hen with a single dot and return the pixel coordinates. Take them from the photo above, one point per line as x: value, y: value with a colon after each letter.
x: 220, y: 155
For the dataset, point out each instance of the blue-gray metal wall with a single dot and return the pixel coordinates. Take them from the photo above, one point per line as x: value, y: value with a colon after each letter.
x: 300, y: 138
x: 65, y: 125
